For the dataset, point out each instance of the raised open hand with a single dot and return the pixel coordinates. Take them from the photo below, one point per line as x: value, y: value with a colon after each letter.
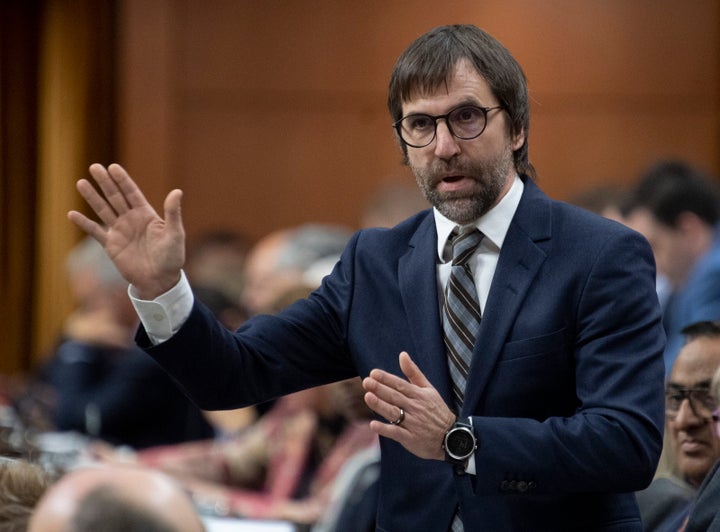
x: 149, y: 251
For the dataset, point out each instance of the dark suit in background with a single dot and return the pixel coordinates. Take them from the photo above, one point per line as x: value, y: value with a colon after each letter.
x: 705, y: 511
x: 121, y: 396
x: 662, y: 501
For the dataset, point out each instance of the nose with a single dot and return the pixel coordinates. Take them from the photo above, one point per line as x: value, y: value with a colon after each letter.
x: 446, y: 144
x: 686, y: 415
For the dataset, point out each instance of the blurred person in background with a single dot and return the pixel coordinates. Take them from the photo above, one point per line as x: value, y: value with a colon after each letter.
x: 22, y: 484
x: 281, y: 467
x: 287, y: 260
x: 609, y: 201
x: 704, y: 515
x: 286, y: 257
x: 677, y: 207
x: 112, y: 498
x: 102, y: 384
x: 216, y: 260
x: 614, y: 203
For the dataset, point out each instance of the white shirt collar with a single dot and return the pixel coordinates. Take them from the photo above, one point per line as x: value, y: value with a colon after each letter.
x: 494, y: 224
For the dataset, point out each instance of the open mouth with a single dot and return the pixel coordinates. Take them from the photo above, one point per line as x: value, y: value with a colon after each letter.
x: 456, y: 183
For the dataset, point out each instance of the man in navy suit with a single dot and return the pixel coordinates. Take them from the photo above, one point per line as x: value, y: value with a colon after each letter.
x: 563, y: 411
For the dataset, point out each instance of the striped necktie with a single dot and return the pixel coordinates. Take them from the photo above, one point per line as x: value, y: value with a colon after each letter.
x: 461, y: 318
x: 461, y: 312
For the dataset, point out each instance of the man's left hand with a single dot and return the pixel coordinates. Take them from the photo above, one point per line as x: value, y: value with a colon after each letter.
x: 425, y: 417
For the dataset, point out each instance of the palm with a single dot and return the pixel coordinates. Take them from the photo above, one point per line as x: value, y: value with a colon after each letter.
x: 141, y: 245
x: 147, y: 249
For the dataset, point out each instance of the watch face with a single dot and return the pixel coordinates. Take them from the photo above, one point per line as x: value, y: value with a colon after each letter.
x: 460, y: 443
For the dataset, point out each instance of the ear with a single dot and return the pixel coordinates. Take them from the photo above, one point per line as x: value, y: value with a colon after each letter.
x: 689, y: 223
x: 518, y: 139
x: 695, y: 231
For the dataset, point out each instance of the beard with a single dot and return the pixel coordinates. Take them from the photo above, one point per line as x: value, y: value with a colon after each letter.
x: 463, y: 207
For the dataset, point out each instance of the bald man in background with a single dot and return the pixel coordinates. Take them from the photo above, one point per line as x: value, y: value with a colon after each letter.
x: 115, y: 499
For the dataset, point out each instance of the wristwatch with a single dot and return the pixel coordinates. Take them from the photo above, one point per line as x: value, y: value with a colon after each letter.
x: 459, y: 445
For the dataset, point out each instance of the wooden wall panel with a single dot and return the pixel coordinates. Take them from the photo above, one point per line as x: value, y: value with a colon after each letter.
x: 75, y: 123
x: 18, y: 154
x: 147, y: 110
x: 270, y: 114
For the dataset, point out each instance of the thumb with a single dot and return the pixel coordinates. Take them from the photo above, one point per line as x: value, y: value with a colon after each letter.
x: 412, y: 371
x: 173, y: 210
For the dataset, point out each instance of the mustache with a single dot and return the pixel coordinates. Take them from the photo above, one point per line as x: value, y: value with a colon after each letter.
x: 437, y: 172
x: 453, y: 166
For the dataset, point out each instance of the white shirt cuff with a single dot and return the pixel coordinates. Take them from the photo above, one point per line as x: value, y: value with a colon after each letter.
x: 471, y: 469
x: 163, y: 316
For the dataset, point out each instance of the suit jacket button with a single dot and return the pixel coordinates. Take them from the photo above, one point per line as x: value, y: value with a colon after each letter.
x: 522, y: 486
x: 504, y: 485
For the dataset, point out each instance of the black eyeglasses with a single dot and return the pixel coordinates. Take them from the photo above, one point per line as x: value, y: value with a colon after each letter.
x: 466, y: 122
x: 702, y: 402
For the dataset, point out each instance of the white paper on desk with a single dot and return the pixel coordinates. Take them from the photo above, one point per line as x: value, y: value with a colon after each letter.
x: 220, y: 524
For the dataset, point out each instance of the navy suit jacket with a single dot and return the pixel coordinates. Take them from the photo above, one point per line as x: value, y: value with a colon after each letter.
x: 565, y: 389
x: 705, y: 511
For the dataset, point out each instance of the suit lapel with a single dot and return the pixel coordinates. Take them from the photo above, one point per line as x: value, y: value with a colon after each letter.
x: 520, y: 259
x: 418, y: 288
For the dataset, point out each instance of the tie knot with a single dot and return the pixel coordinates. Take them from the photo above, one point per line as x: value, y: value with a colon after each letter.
x: 465, y: 241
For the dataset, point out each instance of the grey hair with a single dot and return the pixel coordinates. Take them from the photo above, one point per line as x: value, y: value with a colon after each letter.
x: 90, y: 255
x: 311, y: 243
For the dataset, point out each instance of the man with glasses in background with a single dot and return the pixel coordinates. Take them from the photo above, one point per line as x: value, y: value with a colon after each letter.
x: 693, y: 446
x: 704, y: 513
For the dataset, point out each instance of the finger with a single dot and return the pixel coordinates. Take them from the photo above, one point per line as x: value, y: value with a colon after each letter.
x: 388, y: 391
x: 382, y: 408
x: 130, y: 191
x: 387, y: 378
x: 412, y: 371
x: 394, y: 432
x: 108, y: 185
x: 90, y: 227
x: 395, y: 382
x: 96, y: 202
